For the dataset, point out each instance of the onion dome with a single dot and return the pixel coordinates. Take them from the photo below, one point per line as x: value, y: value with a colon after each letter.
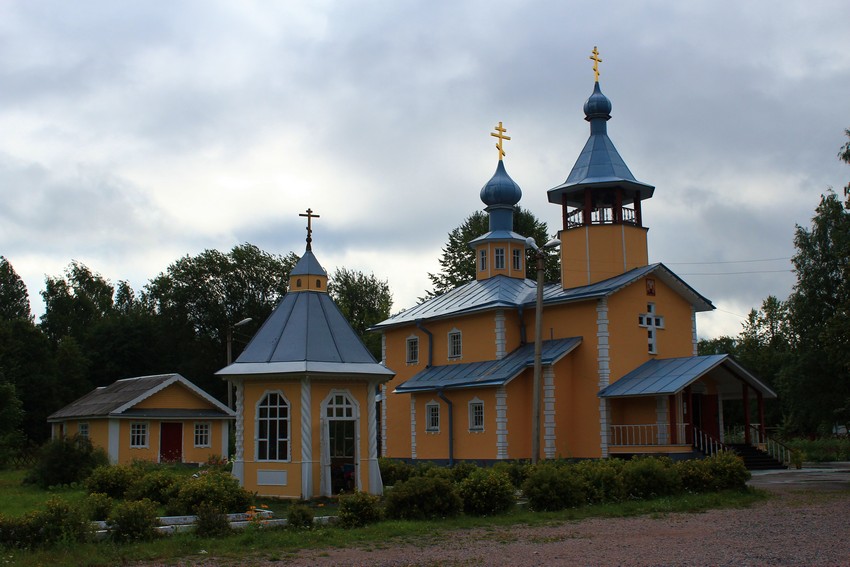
x: 501, y: 189
x: 597, y: 105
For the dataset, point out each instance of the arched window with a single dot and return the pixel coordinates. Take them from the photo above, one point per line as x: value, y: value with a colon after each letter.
x: 273, y: 428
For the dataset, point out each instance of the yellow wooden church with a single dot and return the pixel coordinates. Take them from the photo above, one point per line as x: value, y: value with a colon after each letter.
x: 619, y: 371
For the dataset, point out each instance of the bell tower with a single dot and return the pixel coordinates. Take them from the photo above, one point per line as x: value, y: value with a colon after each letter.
x: 603, y: 233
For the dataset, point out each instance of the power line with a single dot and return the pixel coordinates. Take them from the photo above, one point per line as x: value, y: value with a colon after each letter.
x: 737, y: 273
x: 728, y: 262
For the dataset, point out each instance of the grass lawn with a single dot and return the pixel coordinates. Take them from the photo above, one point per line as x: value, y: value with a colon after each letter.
x: 16, y: 499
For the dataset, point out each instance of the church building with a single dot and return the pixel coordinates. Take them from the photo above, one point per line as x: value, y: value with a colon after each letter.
x: 618, y: 373
x: 306, y: 422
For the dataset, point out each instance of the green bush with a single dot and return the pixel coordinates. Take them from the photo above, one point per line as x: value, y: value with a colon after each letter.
x: 299, y: 517
x: 824, y: 449
x: 112, y: 480
x: 648, y: 477
x: 462, y: 469
x: 358, y: 509
x: 517, y: 471
x: 486, y: 492
x: 728, y: 471
x: 210, y: 486
x: 695, y: 475
x: 97, y: 506
x: 133, y: 520
x: 603, y: 479
x: 58, y: 522
x: 393, y: 471
x: 16, y: 532
x: 433, y: 470
x: 66, y: 460
x: 552, y: 487
x: 211, y: 521
x: 423, y: 498
x: 158, y: 485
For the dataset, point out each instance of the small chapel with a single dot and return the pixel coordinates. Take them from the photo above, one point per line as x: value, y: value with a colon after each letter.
x: 306, y: 421
x: 618, y: 371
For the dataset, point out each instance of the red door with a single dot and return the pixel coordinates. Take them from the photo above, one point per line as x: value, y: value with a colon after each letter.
x: 171, y: 443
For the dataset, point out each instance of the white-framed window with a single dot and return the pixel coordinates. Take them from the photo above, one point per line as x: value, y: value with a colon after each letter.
x: 139, y: 435
x: 412, y: 350
x: 202, y: 434
x: 500, y: 259
x: 455, y: 344
x: 651, y: 321
x: 273, y: 428
x: 83, y: 430
x: 432, y: 416
x: 476, y: 415
x: 517, y: 258
x: 482, y: 260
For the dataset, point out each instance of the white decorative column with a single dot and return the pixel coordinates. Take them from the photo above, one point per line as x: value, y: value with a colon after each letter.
x: 603, y: 361
x: 383, y: 420
x: 694, y: 329
x: 376, y: 485
x: 501, y: 336
x: 239, y: 455
x: 306, y: 439
x: 114, y: 443
x: 662, y: 416
x: 413, y: 426
x: 501, y: 423
x: 549, y: 412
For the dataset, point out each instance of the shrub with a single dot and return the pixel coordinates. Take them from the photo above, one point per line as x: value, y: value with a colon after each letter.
x: 211, y: 521
x: 422, y: 498
x: 462, y: 469
x: 16, y: 532
x: 728, y: 471
x: 133, y: 520
x: 393, y: 471
x: 695, y: 475
x: 210, y: 486
x: 603, y: 479
x: 552, y: 487
x: 65, y: 461
x: 648, y: 477
x: 358, y: 509
x: 299, y: 517
x: 60, y: 521
x: 159, y: 485
x: 98, y: 506
x: 518, y: 471
x: 432, y: 470
x: 486, y: 491
x: 112, y: 480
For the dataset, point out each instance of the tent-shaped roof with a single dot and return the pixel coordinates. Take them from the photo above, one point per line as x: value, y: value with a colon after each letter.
x: 504, y: 292
x: 119, y: 398
x: 489, y: 372
x: 306, y: 333
x: 669, y: 376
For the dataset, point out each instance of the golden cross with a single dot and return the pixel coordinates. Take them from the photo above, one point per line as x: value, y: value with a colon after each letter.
x: 310, y: 216
x: 500, y: 133
x: 596, y: 61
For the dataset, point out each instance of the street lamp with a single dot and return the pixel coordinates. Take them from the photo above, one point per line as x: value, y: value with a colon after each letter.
x: 540, y: 255
x: 244, y: 321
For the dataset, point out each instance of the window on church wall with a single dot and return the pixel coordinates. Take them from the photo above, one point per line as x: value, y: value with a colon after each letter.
x: 455, y: 345
x: 202, y: 434
x: 83, y: 430
x: 273, y: 428
x: 476, y: 415
x: 432, y: 417
x: 482, y: 260
x: 651, y: 321
x: 517, y: 256
x: 413, y: 350
x: 139, y: 435
x: 500, y: 259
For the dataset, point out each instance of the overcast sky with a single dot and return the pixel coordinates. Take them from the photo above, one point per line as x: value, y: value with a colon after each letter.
x: 133, y: 133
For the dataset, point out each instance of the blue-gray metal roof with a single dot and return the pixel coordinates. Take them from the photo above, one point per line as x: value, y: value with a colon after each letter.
x: 489, y: 372
x: 668, y: 376
x: 504, y: 292
x: 308, y: 265
x: 306, y: 333
x: 497, y: 235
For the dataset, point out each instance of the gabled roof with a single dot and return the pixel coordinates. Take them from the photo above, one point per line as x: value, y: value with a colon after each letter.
x: 306, y: 333
x: 504, y: 292
x: 489, y: 372
x: 119, y: 398
x: 669, y: 376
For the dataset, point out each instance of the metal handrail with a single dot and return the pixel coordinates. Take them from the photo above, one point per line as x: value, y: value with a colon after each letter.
x: 708, y: 444
x: 776, y: 449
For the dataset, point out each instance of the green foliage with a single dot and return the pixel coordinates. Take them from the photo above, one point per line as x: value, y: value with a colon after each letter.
x: 358, y: 509
x: 486, y: 492
x: 517, y: 471
x: 551, y: 487
x: 159, y: 485
x: 364, y: 301
x: 210, y: 486
x: 112, y: 480
x: 58, y: 522
x: 648, y: 477
x: 300, y: 517
x: 696, y: 476
x: 133, y: 520
x: 98, y: 506
x: 11, y: 416
x: 65, y: 461
x: 394, y: 471
x: 14, y: 299
x: 824, y: 449
x: 423, y: 497
x: 603, y: 479
x: 462, y: 469
x: 211, y: 521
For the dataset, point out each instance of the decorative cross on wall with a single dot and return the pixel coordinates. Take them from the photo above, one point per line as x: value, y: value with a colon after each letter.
x: 651, y: 322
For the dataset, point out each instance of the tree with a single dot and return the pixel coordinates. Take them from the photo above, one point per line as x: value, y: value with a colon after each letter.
x: 364, y: 300
x: 11, y: 416
x: 844, y: 155
x: 14, y: 299
x: 73, y: 303
x: 458, y: 259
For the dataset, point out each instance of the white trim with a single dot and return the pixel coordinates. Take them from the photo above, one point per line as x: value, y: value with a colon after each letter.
x: 306, y: 439
x: 176, y: 378
x: 114, y: 442
x: 412, y: 339
x: 383, y: 348
x: 476, y: 401
x: 260, y: 399
x: 195, y: 425
x: 239, y: 434
x: 413, y: 426
x: 376, y: 485
x: 325, y: 474
x: 603, y: 362
x: 501, y: 423
x: 428, y: 427
x: 454, y: 331
x: 501, y: 335
x: 383, y: 420
x: 694, y: 338
x: 147, y: 434
x: 549, y: 427
x: 496, y: 257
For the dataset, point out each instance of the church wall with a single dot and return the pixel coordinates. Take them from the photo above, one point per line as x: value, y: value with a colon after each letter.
x: 174, y: 396
x: 519, y: 416
x: 613, y: 249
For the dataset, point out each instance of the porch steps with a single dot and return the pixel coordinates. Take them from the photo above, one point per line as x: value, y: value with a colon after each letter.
x: 754, y: 459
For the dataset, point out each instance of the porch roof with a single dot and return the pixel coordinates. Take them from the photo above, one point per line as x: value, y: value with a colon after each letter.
x: 669, y: 376
x: 488, y: 372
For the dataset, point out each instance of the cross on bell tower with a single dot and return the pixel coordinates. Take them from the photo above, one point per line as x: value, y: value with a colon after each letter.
x: 310, y: 216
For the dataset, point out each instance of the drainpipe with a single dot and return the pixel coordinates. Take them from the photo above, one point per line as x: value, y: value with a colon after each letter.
x: 522, y: 337
x: 430, y: 341
x: 451, y: 427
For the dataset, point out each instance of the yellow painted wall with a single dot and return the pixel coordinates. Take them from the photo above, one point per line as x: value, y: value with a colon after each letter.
x: 491, y: 270
x: 606, y: 246
x: 127, y: 454
x: 174, y: 396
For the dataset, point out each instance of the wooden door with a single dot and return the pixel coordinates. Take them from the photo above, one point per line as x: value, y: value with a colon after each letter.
x: 171, y: 443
